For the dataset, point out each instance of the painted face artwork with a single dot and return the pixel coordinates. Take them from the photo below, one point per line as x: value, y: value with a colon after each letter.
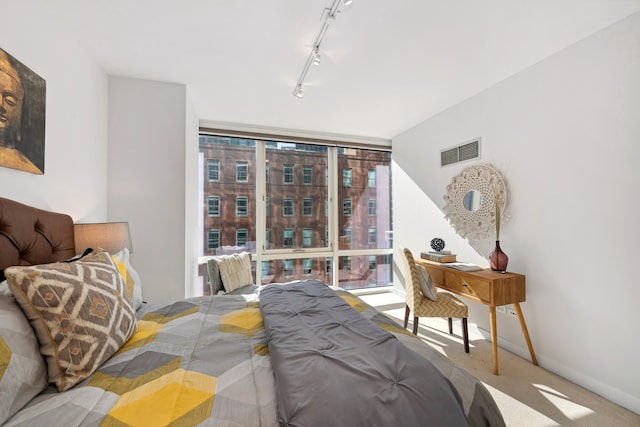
x: 11, y: 96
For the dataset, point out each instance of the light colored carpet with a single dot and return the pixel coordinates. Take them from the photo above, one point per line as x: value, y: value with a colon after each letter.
x: 528, y: 395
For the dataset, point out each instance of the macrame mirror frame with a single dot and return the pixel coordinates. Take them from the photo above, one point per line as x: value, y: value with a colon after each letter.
x: 476, y: 224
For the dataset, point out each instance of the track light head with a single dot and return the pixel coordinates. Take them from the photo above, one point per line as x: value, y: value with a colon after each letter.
x: 298, y: 92
x: 347, y: 2
x: 316, y: 56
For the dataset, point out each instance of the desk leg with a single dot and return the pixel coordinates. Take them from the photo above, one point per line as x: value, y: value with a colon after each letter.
x: 494, y: 337
x: 525, y: 332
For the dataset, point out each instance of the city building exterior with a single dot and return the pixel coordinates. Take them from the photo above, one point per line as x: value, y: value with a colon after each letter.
x: 296, y: 209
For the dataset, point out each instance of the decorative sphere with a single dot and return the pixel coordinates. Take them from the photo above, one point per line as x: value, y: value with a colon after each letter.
x: 437, y: 244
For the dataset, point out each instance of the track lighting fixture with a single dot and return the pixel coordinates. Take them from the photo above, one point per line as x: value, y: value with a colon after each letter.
x: 328, y: 15
x: 316, y: 56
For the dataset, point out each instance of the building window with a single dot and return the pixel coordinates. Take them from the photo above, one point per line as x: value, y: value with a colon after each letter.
x: 266, y: 266
x: 371, y: 177
x: 307, y: 175
x: 328, y: 265
x: 287, y: 240
x: 346, y: 263
x: 213, y: 239
x: 213, y: 170
x: 372, y: 236
x: 213, y: 205
x: 307, y: 207
x: 372, y: 207
x: 373, y: 262
x: 242, y: 206
x: 346, y: 207
x: 288, y: 174
x: 242, y: 237
x: 347, y: 177
x: 267, y: 173
x: 242, y: 171
x: 287, y: 208
x: 347, y: 235
x: 266, y: 238
x: 266, y: 206
x: 307, y: 237
x: 288, y: 267
x: 307, y: 266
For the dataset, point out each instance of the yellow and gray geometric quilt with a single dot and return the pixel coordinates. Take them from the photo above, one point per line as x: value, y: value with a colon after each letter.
x: 203, y: 361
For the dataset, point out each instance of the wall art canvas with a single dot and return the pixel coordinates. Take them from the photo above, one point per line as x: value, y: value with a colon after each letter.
x: 22, y: 116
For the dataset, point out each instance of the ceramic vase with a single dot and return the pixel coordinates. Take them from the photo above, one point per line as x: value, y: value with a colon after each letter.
x: 498, y: 260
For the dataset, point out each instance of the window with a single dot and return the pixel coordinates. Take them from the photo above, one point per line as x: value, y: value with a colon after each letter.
x: 213, y: 206
x: 287, y: 206
x: 288, y: 267
x: 372, y: 236
x: 213, y: 170
x: 296, y: 228
x: 242, y: 236
x: 371, y: 178
x: 372, y: 207
x: 242, y: 206
x: 346, y: 207
x: 346, y: 263
x: 347, y: 235
x: 266, y: 269
x: 307, y: 175
x: 213, y: 239
x: 287, y: 240
x: 307, y: 237
x: 288, y: 174
x: 307, y: 207
x: 242, y: 172
x: 347, y: 177
x: 373, y: 262
x: 307, y: 266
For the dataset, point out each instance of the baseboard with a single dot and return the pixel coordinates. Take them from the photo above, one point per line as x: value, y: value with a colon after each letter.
x: 615, y: 395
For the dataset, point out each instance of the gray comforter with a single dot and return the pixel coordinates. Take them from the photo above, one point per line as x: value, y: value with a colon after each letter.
x: 334, y: 367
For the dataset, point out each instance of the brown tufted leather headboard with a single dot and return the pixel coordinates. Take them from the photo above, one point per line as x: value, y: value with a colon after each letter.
x: 30, y: 236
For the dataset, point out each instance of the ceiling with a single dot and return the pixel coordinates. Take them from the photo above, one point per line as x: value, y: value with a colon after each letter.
x: 386, y: 65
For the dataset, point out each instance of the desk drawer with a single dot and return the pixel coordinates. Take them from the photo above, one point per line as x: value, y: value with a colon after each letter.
x: 468, y: 286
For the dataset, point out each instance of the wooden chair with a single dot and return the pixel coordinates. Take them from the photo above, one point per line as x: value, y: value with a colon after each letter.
x: 445, y: 305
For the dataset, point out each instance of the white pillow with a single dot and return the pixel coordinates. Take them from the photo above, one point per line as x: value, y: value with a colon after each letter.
x: 426, y: 284
x: 235, y: 270
x: 130, y: 277
x: 23, y: 373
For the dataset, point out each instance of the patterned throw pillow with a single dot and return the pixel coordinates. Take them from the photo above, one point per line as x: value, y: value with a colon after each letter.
x: 23, y: 373
x: 78, y: 311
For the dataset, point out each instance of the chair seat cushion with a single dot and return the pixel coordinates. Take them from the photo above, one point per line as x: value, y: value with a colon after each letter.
x: 446, y: 305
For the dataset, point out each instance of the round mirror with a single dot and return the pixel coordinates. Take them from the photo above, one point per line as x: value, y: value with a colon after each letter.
x: 472, y: 200
x: 475, y: 198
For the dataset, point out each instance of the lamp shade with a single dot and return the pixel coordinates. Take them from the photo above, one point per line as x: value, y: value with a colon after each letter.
x: 110, y: 236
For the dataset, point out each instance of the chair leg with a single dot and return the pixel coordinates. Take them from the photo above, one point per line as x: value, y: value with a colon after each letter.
x: 406, y: 316
x: 415, y: 325
x: 465, y: 334
x: 450, y: 325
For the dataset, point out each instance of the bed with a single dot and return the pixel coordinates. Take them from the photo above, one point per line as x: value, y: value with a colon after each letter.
x: 79, y: 348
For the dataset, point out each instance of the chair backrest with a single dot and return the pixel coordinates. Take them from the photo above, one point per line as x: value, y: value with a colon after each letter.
x: 412, y: 281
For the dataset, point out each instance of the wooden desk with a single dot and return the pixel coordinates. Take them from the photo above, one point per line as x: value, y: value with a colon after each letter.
x: 489, y: 288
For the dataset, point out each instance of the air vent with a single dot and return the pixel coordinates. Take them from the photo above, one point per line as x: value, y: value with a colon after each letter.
x: 466, y: 151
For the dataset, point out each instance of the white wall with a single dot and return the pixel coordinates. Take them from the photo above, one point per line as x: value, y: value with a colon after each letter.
x: 566, y: 135
x: 153, y: 148
x: 75, y: 175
